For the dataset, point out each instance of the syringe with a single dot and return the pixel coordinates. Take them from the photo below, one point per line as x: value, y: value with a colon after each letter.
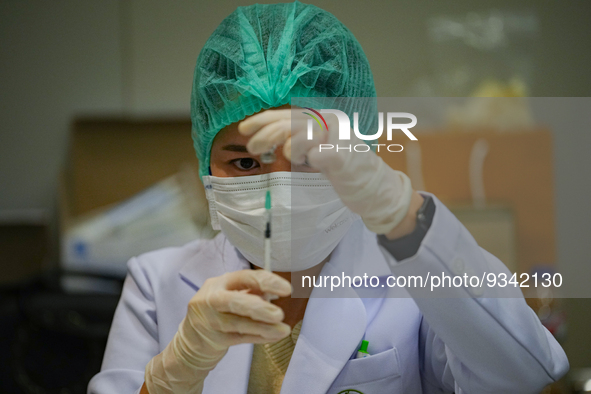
x: 268, y: 231
x: 267, y: 246
x: 268, y: 158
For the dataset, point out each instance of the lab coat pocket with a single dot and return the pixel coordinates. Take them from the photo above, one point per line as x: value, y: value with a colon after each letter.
x: 378, y: 373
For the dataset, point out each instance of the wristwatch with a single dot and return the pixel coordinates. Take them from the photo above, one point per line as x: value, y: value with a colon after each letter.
x: 408, y: 245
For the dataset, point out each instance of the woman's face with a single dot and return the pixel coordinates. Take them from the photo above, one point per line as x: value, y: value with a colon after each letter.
x: 229, y: 157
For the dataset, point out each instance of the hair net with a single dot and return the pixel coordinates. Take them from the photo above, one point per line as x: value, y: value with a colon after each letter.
x: 262, y: 55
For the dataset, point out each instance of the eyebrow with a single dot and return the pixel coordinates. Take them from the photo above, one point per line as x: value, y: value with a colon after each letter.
x: 235, y: 148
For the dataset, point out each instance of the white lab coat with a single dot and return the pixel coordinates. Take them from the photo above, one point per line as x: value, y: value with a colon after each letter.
x: 418, y: 345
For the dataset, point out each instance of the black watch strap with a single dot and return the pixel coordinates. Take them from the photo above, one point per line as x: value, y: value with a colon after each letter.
x: 407, y: 246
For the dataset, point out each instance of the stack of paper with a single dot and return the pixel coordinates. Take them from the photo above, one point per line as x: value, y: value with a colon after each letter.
x: 161, y: 216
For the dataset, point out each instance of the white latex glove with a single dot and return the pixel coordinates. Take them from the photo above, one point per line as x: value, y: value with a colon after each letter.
x: 365, y: 184
x: 227, y: 310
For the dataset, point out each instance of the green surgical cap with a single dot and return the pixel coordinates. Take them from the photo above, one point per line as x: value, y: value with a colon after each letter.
x: 261, y: 56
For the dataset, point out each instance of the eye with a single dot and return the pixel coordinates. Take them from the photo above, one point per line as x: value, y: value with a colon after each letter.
x: 245, y: 163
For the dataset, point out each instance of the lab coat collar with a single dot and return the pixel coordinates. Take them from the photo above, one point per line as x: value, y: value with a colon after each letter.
x: 209, y: 262
x: 333, y: 327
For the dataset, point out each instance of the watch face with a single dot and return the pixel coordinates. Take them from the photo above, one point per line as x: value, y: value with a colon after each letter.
x: 350, y: 391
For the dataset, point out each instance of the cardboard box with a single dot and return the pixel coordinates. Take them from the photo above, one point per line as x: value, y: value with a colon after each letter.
x: 112, y: 160
x: 517, y: 175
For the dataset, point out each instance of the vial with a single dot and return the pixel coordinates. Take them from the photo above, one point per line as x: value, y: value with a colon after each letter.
x: 269, y: 157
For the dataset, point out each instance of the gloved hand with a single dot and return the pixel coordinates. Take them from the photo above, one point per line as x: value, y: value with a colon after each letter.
x: 367, y: 185
x: 227, y: 310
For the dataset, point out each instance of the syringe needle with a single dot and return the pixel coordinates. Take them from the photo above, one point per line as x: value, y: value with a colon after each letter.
x: 268, y: 231
x: 267, y: 246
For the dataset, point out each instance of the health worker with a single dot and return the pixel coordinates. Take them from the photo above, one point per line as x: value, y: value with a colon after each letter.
x: 205, y: 318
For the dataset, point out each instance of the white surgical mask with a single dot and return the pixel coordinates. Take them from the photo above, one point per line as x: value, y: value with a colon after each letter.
x: 308, y: 219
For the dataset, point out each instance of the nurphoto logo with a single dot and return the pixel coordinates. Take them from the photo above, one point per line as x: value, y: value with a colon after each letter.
x: 345, y: 129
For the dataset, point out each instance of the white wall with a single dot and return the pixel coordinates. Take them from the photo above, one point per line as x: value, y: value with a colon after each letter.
x: 59, y: 58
